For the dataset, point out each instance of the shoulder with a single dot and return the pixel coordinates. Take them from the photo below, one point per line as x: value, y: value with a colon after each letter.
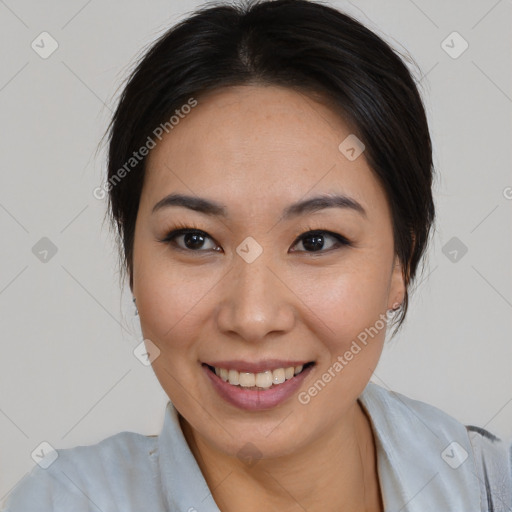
x: 425, y: 428
x: 492, y: 455
x: 391, y: 407
x: 493, y: 461
x: 411, y: 410
x: 67, y: 479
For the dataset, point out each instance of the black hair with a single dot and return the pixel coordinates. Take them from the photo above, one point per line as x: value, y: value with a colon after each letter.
x: 300, y: 44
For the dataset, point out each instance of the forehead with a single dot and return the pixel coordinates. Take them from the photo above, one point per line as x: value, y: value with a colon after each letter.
x: 258, y: 143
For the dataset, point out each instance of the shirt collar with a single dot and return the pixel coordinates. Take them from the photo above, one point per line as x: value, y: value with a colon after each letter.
x: 183, y: 483
x: 411, y: 440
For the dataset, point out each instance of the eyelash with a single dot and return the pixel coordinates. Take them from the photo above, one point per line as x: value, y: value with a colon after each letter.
x: 184, y: 229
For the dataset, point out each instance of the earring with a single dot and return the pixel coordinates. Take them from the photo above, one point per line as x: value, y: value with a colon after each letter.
x: 393, y: 311
x: 135, y: 303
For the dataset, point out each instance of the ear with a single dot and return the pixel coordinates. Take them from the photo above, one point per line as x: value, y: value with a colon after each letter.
x: 397, y: 285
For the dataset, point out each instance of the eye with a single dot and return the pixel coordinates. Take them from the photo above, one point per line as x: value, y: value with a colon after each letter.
x: 314, y: 241
x: 195, y: 240
x: 189, y: 239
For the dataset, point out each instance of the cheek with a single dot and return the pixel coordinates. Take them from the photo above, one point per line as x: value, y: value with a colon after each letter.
x: 168, y: 312
x: 352, y: 324
x: 349, y: 303
x: 346, y: 299
x: 170, y: 298
x: 169, y: 301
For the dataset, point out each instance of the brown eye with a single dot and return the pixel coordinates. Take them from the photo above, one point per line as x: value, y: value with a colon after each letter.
x: 189, y: 240
x: 321, y: 241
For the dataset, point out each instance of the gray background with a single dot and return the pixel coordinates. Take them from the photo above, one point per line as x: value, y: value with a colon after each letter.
x: 68, y: 375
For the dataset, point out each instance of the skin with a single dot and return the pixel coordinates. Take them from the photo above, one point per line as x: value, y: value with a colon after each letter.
x: 256, y: 150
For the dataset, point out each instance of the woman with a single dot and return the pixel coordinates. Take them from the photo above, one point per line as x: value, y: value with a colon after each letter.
x: 270, y: 174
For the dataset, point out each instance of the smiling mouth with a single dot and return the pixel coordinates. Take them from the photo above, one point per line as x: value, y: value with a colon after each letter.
x: 258, y: 381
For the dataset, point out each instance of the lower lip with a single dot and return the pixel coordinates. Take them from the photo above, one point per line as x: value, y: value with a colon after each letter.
x: 254, y: 400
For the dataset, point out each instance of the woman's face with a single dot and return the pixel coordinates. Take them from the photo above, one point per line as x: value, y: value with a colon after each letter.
x: 252, y: 293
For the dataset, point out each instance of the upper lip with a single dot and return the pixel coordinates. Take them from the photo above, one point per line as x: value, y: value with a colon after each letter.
x: 256, y: 366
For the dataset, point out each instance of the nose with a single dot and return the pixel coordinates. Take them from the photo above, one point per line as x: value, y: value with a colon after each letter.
x: 255, y: 302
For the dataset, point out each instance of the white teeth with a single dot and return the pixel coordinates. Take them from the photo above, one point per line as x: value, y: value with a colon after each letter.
x: 263, y: 380
x: 278, y: 376
x: 234, y: 377
x: 247, y: 380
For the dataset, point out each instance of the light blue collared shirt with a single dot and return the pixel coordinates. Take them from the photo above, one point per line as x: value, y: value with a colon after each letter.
x: 427, y: 462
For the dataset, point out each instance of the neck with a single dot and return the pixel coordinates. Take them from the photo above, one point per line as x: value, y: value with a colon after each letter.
x: 336, y: 472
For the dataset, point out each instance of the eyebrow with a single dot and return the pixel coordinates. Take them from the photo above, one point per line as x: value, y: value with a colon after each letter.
x: 212, y: 208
